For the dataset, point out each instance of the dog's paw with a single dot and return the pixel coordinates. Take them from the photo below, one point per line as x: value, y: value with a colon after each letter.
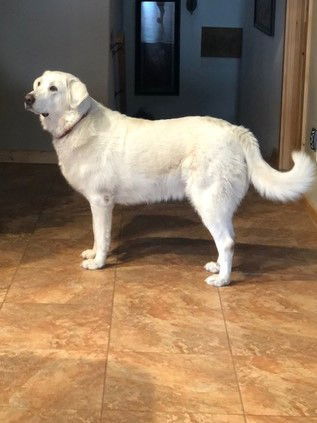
x: 88, y: 254
x: 212, y: 267
x: 216, y: 280
x: 92, y: 264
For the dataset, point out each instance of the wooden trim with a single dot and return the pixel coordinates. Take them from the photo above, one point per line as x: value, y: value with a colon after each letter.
x: 27, y: 156
x: 121, y: 72
x: 294, y: 73
x: 307, y: 75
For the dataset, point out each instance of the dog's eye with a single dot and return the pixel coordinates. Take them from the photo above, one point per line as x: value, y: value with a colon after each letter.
x: 53, y: 88
x: 39, y: 83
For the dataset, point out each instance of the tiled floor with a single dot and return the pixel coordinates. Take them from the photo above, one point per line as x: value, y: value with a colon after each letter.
x: 146, y: 340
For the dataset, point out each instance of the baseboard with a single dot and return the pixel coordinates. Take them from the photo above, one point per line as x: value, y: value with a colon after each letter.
x: 311, y: 209
x: 27, y: 156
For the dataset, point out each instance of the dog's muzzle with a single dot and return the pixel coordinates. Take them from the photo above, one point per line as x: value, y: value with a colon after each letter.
x: 29, y: 100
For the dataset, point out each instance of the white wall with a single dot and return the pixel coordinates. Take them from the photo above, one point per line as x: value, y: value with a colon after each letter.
x: 261, y: 78
x: 207, y: 85
x: 35, y: 35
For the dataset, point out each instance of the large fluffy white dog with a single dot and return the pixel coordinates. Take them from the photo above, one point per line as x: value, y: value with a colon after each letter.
x: 112, y: 158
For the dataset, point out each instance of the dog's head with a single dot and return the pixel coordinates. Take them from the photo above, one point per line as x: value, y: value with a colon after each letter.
x: 55, y: 93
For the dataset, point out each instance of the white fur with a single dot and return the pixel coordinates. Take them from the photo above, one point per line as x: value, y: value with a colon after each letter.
x: 111, y: 158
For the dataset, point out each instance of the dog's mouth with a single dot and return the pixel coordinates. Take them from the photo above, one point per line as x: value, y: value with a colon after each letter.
x: 29, y: 107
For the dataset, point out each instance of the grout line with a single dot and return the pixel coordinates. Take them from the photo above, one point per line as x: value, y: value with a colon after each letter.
x: 110, y: 326
x: 230, y: 350
x: 41, y: 209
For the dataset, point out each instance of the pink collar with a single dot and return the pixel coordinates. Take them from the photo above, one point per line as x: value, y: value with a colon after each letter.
x: 72, y: 127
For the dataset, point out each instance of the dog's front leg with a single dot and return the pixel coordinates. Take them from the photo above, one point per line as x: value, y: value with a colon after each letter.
x: 101, y: 210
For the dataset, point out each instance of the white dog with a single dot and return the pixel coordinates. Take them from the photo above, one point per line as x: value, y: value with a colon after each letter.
x: 114, y: 159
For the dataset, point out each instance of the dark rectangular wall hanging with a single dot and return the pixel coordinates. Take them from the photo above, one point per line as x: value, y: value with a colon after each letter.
x: 264, y: 16
x: 221, y: 42
x: 157, y: 47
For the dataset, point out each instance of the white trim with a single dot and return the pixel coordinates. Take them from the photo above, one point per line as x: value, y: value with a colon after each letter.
x: 27, y: 156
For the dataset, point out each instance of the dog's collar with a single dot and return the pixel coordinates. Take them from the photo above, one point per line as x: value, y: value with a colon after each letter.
x: 72, y: 127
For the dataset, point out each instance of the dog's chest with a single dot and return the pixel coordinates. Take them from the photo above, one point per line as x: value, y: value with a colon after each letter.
x: 75, y: 169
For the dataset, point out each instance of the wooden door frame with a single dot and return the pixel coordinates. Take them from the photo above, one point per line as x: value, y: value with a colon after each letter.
x: 295, y: 79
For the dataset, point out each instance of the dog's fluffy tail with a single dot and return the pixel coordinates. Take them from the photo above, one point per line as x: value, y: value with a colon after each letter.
x: 270, y: 183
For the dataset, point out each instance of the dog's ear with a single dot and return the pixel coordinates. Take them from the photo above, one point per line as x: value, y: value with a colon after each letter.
x: 77, y: 92
x: 35, y: 83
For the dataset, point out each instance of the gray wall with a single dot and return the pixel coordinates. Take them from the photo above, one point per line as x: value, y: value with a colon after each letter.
x: 207, y: 85
x: 35, y: 35
x: 261, y: 78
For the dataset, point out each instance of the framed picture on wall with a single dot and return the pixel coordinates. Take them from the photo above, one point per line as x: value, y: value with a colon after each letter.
x: 157, y: 47
x: 264, y: 16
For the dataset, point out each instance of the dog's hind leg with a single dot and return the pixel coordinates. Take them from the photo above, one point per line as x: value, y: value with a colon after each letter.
x: 216, y: 209
x: 222, y: 232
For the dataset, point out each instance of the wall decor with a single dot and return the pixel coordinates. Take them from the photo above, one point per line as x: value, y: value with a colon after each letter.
x: 157, y: 47
x: 221, y: 42
x: 264, y: 16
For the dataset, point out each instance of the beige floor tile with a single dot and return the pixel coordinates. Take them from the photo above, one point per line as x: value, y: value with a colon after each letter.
x: 59, y: 328
x: 47, y: 285
x: 3, y: 292
x: 269, y: 316
x: 12, y: 248
x: 37, y: 381
x: 166, y: 310
x: 22, y: 415
x: 139, y: 417
x: 271, y: 419
x: 169, y: 359
x: 152, y: 382
x: 63, y: 255
x: 280, y: 386
x: 58, y: 253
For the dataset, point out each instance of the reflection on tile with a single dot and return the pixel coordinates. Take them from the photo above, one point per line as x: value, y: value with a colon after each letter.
x: 166, y: 251
x: 171, y: 383
x: 280, y: 386
x: 266, y: 236
x: 51, y: 285
x: 23, y: 415
x: 159, y: 222
x: 258, y: 258
x: 141, y: 417
x: 68, y: 225
x: 63, y: 226
x: 21, y: 222
x: 55, y: 327
x: 160, y: 310
x: 288, y: 419
x: 36, y: 380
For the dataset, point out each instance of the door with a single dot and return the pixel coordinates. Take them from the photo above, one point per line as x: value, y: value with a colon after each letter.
x: 294, y: 76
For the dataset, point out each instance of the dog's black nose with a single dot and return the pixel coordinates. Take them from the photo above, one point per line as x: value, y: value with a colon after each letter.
x: 29, y: 99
